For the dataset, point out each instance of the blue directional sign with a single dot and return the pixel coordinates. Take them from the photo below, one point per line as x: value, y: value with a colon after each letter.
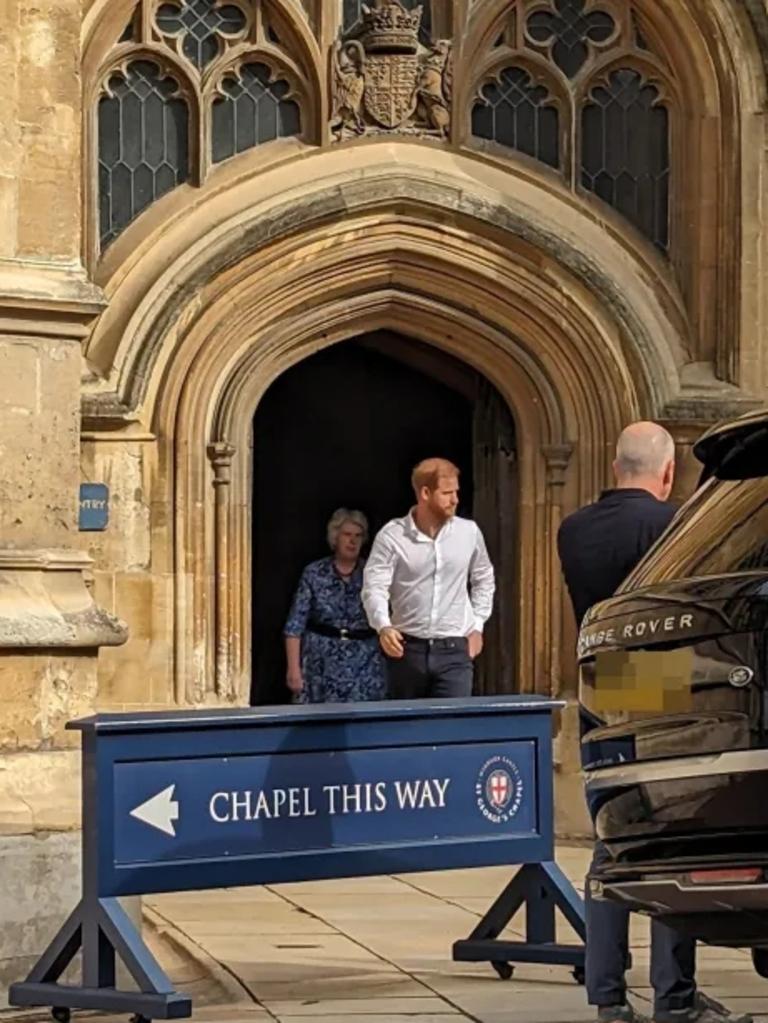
x: 218, y: 798
x: 270, y: 795
x: 240, y: 806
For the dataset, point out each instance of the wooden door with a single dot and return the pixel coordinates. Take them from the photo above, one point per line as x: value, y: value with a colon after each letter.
x: 496, y: 510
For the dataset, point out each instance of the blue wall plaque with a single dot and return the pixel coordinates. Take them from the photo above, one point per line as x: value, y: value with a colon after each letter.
x: 94, y: 507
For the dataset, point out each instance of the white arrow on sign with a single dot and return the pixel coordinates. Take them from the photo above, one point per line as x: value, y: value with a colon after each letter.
x: 159, y: 812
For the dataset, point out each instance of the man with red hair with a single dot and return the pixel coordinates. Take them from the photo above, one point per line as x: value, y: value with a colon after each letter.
x: 428, y: 590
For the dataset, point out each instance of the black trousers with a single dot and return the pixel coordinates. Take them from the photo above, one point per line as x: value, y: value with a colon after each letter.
x: 673, y: 956
x: 431, y: 667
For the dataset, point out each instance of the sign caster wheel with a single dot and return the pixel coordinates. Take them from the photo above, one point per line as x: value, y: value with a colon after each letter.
x: 60, y: 1014
x: 504, y: 970
x: 579, y: 976
x: 138, y: 1018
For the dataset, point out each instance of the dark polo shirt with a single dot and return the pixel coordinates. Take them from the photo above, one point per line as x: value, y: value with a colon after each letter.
x: 600, y: 544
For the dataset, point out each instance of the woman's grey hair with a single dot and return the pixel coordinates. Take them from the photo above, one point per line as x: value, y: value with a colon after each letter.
x: 337, y: 520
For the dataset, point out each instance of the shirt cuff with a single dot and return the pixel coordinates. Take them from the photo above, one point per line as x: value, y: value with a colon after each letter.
x: 478, y: 626
x: 381, y: 622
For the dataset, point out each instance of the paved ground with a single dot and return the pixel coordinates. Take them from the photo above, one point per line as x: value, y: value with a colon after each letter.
x: 377, y: 950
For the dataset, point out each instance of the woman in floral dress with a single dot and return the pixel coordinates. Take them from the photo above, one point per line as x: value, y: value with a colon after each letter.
x: 333, y: 654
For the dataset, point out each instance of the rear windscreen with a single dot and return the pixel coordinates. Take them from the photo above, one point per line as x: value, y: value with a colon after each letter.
x: 722, y: 529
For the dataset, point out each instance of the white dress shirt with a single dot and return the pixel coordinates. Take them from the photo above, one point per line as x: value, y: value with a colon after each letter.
x: 425, y: 581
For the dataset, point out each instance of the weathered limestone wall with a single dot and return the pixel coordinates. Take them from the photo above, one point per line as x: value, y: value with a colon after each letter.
x: 40, y: 134
x: 129, y: 575
x: 50, y: 626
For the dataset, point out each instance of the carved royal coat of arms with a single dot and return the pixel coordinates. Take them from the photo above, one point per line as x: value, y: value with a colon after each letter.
x: 386, y: 80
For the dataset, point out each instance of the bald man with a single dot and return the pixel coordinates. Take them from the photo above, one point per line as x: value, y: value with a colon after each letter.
x: 599, y: 546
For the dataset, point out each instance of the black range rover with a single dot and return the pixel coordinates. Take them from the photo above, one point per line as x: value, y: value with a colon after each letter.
x: 674, y: 690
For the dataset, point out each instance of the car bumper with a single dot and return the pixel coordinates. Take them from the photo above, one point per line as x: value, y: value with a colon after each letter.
x: 720, y: 914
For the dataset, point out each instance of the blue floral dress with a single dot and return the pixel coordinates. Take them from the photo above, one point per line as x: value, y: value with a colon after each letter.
x: 335, y: 670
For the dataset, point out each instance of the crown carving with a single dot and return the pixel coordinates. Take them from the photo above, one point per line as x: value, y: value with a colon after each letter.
x: 391, y: 28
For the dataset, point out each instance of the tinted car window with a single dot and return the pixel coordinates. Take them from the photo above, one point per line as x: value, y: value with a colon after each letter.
x: 722, y: 529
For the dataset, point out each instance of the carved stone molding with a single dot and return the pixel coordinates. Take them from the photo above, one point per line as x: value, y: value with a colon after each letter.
x: 46, y: 300
x: 45, y: 603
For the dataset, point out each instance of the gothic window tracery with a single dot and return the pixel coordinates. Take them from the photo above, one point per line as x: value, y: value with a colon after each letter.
x: 574, y: 85
x: 250, y: 110
x: 143, y: 142
x: 191, y: 83
x: 199, y: 28
x: 520, y: 114
x: 625, y: 151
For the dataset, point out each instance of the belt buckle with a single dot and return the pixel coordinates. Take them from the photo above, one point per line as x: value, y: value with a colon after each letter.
x: 344, y: 635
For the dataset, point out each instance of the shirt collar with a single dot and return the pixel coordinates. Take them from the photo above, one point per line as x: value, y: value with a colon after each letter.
x: 415, y: 533
x: 628, y: 492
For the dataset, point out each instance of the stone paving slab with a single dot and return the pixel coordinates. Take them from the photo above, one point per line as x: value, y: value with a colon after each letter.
x: 378, y: 950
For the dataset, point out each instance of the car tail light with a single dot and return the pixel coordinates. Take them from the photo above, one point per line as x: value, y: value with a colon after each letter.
x: 740, y: 875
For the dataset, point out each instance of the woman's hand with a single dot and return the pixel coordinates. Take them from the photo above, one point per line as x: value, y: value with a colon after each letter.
x: 294, y: 680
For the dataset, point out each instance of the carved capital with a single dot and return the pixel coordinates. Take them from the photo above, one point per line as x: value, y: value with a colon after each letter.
x: 557, y: 457
x: 221, y: 454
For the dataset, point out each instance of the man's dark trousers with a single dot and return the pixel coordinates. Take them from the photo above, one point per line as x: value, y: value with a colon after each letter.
x: 431, y: 667
x: 673, y: 956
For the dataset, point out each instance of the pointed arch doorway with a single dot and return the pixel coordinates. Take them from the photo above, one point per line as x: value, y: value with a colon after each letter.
x: 344, y: 428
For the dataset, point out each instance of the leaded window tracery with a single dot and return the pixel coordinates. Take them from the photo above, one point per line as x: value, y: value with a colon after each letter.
x: 575, y: 85
x: 143, y: 142
x: 200, y: 28
x: 251, y: 109
x: 625, y: 151
x: 520, y: 114
x: 191, y: 83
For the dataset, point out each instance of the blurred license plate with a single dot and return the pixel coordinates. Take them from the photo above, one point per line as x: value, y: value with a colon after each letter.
x: 644, y: 680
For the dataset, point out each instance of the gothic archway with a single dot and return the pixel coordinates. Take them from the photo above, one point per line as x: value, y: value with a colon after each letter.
x: 206, y: 317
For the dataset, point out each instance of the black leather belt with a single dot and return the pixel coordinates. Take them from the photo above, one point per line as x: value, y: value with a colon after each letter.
x: 334, y: 633
x: 446, y: 641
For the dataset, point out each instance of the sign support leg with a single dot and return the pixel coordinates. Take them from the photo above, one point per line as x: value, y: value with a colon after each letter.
x: 105, y: 932
x: 544, y: 890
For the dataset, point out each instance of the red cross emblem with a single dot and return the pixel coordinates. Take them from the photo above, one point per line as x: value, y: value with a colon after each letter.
x: 499, y: 788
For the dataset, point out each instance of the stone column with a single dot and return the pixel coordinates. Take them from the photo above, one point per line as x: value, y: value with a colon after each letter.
x: 50, y: 627
x: 221, y: 454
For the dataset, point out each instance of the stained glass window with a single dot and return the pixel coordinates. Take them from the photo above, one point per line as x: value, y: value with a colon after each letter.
x: 252, y: 110
x: 625, y: 151
x: 143, y: 125
x: 519, y: 114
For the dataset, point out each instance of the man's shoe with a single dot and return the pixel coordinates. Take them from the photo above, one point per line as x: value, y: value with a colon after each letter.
x: 620, y: 1014
x: 704, y: 1010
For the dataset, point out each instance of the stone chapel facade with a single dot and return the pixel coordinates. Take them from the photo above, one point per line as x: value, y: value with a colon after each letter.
x: 563, y: 197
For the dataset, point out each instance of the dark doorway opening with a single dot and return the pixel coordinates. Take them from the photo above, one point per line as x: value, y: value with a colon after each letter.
x: 344, y: 428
